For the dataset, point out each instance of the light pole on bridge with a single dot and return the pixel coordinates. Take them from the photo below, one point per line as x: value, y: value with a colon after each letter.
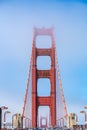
x: 84, y: 112
x: 85, y: 107
x: 2, y: 108
x: 7, y: 112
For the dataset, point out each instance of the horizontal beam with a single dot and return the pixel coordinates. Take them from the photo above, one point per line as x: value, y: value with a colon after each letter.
x: 43, y: 31
x: 43, y: 73
x: 44, y: 101
x: 43, y: 52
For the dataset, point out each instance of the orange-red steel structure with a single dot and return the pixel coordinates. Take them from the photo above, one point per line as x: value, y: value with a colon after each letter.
x: 56, y: 100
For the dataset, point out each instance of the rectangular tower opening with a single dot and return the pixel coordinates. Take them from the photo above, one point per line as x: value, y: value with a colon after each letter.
x: 43, y: 112
x: 43, y: 87
x: 43, y: 42
x: 43, y: 63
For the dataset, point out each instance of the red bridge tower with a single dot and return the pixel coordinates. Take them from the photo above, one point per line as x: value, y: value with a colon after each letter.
x: 56, y: 100
x: 43, y: 101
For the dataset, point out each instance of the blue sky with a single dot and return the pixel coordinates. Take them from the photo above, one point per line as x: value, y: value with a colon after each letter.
x: 17, y: 19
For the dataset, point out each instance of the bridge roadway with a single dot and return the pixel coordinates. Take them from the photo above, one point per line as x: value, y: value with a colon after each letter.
x: 56, y: 128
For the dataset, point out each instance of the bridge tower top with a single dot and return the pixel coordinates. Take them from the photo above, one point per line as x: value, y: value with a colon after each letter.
x: 43, y: 31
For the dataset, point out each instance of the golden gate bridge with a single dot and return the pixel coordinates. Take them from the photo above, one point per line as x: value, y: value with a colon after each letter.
x: 56, y: 100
